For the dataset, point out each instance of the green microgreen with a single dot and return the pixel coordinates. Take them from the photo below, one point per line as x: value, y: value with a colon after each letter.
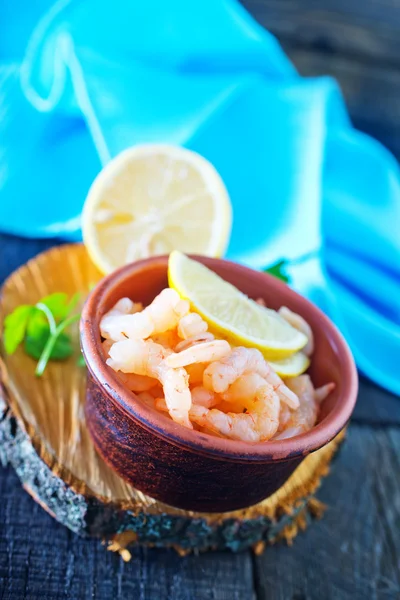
x: 41, y: 328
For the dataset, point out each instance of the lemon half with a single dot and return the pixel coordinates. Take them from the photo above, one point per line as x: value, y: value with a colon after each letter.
x: 152, y: 199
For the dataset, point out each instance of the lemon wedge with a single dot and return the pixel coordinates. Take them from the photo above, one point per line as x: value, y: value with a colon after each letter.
x: 294, y: 365
x: 230, y: 313
x: 152, y: 199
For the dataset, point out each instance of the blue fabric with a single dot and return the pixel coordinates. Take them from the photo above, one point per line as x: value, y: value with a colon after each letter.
x: 97, y: 77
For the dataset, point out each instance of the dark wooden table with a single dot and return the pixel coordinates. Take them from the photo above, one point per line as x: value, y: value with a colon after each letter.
x: 354, y: 551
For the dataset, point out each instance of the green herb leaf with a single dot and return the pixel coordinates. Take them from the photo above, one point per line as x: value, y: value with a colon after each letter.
x: 58, y: 304
x: 41, y: 327
x: 34, y: 345
x: 62, y: 348
x: 278, y: 270
x: 15, y: 325
x: 37, y: 322
x: 51, y: 342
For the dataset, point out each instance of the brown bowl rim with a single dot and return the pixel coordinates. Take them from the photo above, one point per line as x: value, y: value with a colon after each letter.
x: 199, y: 442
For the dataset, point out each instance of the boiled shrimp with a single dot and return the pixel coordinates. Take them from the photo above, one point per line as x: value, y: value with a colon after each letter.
x: 294, y: 422
x: 137, y: 383
x: 193, y: 340
x: 200, y: 353
x: 119, y: 327
x: 163, y: 314
x: 260, y: 421
x: 124, y: 306
x: 305, y: 417
x: 301, y: 325
x: 121, y: 309
x: 284, y: 417
x: 190, y: 325
x: 134, y: 382
x: 147, y: 398
x: 322, y: 392
x: 203, y: 397
x: 166, y: 310
x: 147, y: 358
x: 200, y: 397
x: 219, y: 375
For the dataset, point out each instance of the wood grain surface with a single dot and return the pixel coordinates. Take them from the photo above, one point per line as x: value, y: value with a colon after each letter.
x: 352, y: 553
x: 366, y: 30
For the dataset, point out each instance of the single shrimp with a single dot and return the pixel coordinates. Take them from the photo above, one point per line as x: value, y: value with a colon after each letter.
x: 147, y: 398
x: 166, y: 310
x: 242, y: 389
x: 193, y: 340
x: 119, y: 327
x: 203, y: 397
x: 219, y: 375
x: 122, y: 308
x: 258, y: 424
x: 190, y: 325
x: 163, y: 314
x: 137, y: 383
x: 200, y: 353
x: 305, y: 417
x: 284, y: 417
x: 200, y: 396
x: 147, y: 358
x: 322, y: 392
x: 301, y: 325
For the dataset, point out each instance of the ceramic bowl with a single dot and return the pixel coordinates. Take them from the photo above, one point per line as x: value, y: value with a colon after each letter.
x: 186, y: 468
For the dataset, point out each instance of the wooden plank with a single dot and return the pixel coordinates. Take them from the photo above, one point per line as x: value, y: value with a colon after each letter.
x: 351, y: 553
x: 42, y: 560
x: 15, y: 251
x: 354, y: 551
x: 371, y: 92
x: 364, y: 29
x: 375, y: 406
x: 357, y: 43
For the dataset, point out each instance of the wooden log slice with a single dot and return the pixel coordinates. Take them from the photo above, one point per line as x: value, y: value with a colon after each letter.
x: 43, y: 435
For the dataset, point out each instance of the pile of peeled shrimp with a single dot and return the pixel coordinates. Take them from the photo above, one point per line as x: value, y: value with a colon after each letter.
x: 165, y: 354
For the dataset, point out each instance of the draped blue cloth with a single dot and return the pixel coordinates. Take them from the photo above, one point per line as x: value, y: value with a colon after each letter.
x: 96, y: 77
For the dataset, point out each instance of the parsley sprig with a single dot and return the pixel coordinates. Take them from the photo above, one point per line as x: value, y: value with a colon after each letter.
x: 41, y: 328
x: 279, y: 268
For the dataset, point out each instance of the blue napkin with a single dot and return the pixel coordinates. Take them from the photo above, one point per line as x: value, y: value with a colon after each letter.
x: 305, y: 186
